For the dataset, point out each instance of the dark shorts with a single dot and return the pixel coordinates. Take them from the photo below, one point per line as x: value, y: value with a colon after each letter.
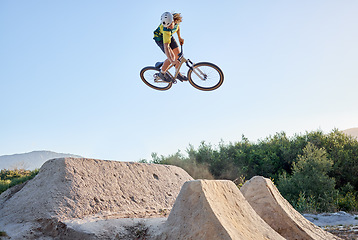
x: 173, y: 44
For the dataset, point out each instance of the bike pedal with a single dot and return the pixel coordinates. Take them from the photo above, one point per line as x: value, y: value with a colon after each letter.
x: 182, y: 80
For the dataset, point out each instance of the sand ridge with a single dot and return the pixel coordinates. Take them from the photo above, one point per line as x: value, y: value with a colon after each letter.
x: 79, y: 198
x: 267, y: 201
x: 68, y: 188
x: 214, y: 209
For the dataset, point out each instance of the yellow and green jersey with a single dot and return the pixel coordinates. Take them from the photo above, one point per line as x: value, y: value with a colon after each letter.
x: 165, y: 34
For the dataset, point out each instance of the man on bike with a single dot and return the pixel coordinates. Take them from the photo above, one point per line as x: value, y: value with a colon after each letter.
x: 163, y: 36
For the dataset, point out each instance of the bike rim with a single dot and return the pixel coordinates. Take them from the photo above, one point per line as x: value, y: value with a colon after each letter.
x: 149, y: 77
x: 205, y: 76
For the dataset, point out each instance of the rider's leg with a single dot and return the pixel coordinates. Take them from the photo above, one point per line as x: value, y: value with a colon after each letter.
x: 164, y: 69
x: 176, y: 53
x: 173, y: 47
x: 167, y: 62
x: 180, y: 76
x: 165, y: 65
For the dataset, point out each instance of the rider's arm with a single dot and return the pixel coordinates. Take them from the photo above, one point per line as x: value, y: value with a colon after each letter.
x: 181, y: 41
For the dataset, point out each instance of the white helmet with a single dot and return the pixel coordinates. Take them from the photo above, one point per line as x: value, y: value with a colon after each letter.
x: 167, y: 19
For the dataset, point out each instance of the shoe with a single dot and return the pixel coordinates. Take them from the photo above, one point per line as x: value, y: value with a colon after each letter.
x: 181, y: 77
x: 158, y: 65
x: 165, y: 77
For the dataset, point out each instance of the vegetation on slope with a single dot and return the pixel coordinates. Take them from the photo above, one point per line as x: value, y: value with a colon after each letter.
x: 314, y: 171
x: 10, y: 178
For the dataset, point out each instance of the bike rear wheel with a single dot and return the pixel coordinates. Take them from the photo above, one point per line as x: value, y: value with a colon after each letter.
x: 149, y: 76
x: 205, y: 76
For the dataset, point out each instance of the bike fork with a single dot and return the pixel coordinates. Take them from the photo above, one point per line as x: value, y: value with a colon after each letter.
x: 201, y: 75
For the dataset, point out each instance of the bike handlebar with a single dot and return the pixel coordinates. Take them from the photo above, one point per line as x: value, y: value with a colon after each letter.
x: 181, y: 51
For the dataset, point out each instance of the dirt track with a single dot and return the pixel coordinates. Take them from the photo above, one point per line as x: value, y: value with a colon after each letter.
x: 76, y: 198
x: 267, y: 201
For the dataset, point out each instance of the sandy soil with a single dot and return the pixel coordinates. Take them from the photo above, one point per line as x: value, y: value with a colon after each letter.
x: 95, y: 199
x: 77, y: 188
x: 271, y: 206
x: 341, y: 224
x: 122, y: 228
x: 214, y: 209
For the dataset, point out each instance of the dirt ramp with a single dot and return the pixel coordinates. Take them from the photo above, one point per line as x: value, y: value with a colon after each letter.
x: 76, y: 187
x: 209, y: 209
x: 267, y: 201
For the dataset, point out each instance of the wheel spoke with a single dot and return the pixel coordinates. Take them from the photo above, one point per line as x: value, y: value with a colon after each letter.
x: 205, y: 76
x: 149, y: 75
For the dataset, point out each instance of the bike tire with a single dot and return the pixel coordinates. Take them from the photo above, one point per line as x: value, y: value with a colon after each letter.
x: 148, y: 76
x: 211, y: 76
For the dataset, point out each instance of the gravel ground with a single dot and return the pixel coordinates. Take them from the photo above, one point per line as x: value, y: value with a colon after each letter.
x: 341, y: 224
x: 344, y: 232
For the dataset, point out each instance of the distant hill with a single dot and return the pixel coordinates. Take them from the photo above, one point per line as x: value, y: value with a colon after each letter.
x: 352, y: 132
x: 31, y: 160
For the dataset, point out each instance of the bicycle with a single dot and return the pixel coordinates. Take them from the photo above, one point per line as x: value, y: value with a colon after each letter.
x: 204, y: 76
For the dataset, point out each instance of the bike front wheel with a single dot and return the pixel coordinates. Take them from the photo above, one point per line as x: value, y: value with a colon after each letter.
x: 205, y: 76
x: 149, y: 76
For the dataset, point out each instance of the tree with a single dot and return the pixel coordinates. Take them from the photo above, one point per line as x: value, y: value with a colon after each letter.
x: 343, y: 150
x: 310, y: 178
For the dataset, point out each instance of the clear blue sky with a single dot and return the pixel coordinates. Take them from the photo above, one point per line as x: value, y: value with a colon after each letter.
x: 69, y: 74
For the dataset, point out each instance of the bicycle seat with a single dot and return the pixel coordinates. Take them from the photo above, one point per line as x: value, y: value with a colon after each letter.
x: 158, y: 64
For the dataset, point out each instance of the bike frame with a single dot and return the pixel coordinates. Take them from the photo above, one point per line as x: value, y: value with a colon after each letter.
x: 204, y: 76
x: 190, y: 65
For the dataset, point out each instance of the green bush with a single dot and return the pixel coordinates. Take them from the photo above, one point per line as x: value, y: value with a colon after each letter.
x: 306, y: 204
x: 10, y: 178
x: 192, y: 167
x: 348, y: 202
x: 324, y: 174
x: 4, y: 184
x: 309, y: 178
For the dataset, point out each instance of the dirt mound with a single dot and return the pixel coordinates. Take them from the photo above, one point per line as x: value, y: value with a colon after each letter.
x: 212, y: 209
x: 68, y: 188
x: 267, y: 201
x: 77, y: 198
